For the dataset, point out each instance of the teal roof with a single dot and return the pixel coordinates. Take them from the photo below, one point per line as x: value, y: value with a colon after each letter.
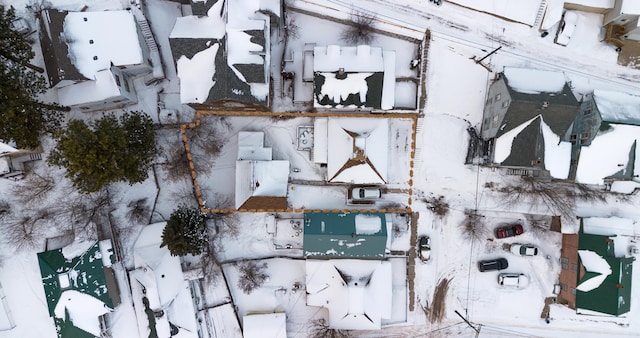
x: 613, y: 296
x: 336, y: 235
x: 86, y: 274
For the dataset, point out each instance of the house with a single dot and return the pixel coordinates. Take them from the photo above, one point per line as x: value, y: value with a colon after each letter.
x: 357, y: 293
x: 345, y: 235
x: 527, y: 119
x: 223, y: 52
x: 13, y: 162
x: 90, y: 67
x: 261, y: 182
x: 621, y: 21
x: 355, y: 150
x: 161, y: 295
x: 596, y: 273
x: 272, y: 325
x: 605, y: 139
x: 80, y: 287
x: 352, y: 77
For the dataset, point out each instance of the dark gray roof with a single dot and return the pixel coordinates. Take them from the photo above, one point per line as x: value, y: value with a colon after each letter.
x: 55, y: 50
x: 528, y: 147
x: 200, y: 8
x: 373, y: 98
x: 559, y: 113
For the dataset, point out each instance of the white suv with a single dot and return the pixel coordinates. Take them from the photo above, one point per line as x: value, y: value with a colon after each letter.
x: 366, y: 193
x: 513, y: 280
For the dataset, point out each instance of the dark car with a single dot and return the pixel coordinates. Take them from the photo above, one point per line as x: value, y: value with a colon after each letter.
x: 493, y: 264
x: 509, y: 231
x: 424, y: 248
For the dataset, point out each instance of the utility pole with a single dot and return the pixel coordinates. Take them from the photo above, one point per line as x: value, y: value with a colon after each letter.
x: 484, y: 57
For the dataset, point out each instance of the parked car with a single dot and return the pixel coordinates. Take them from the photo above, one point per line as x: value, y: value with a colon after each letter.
x: 513, y: 280
x: 566, y: 28
x: 524, y: 249
x: 424, y: 248
x: 509, y: 231
x: 363, y: 193
x: 493, y: 264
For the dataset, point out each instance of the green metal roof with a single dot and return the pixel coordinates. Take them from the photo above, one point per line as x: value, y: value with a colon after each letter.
x: 85, y: 273
x: 613, y: 296
x: 335, y: 235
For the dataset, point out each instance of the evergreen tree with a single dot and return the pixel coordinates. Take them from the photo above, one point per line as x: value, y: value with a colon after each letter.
x: 185, y: 232
x: 23, y: 117
x: 108, y: 150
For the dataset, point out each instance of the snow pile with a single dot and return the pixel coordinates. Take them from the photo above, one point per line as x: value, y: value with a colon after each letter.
x: 593, y: 262
x: 93, y: 48
x: 534, y: 81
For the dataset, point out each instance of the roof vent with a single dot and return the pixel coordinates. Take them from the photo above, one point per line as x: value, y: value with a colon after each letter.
x: 95, y: 57
x: 545, y: 104
x: 91, y: 42
x: 85, y: 19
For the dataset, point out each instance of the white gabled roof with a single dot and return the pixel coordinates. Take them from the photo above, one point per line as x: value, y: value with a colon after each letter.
x: 261, y: 178
x: 251, y: 146
x: 357, y: 293
x: 357, y: 150
x: 93, y: 48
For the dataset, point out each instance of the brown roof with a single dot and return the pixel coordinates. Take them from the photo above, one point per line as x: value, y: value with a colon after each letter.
x: 264, y: 202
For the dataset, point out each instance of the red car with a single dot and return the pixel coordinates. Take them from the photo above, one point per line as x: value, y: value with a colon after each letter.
x: 509, y: 231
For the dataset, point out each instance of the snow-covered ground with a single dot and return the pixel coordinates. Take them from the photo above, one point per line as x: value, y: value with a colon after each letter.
x: 455, y: 96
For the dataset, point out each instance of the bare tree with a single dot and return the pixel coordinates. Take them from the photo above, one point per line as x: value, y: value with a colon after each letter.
x: 26, y: 232
x: 185, y: 194
x: 229, y: 220
x: 473, y: 227
x: 252, y: 276
x: 558, y: 197
x: 437, y: 205
x: 320, y: 329
x: 139, y: 211
x: 538, y: 224
x: 34, y: 189
x: 5, y: 209
x: 177, y: 165
x: 360, y: 29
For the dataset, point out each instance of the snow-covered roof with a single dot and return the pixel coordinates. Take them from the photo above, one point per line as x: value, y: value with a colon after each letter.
x: 608, y: 154
x: 503, y: 144
x: 359, y: 64
x: 618, y: 107
x: 595, y: 263
x: 246, y: 58
x: 257, y: 175
x: 251, y: 146
x: 631, y: 7
x: 6, y: 149
x: 272, y: 325
x: 160, y: 275
x: 210, y: 26
x: 534, y: 81
x: 93, y: 48
x: 357, y: 150
x: 83, y: 310
x: 357, y: 293
x: 103, y: 87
